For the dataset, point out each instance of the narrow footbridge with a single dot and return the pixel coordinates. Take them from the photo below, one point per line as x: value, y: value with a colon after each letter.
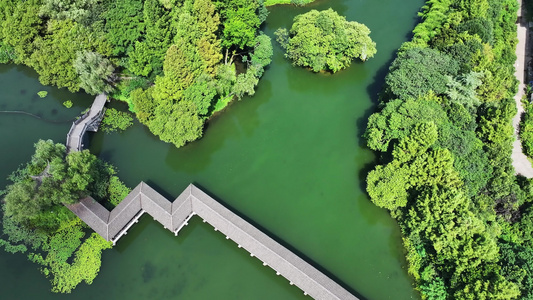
x: 87, y: 122
x: 112, y: 225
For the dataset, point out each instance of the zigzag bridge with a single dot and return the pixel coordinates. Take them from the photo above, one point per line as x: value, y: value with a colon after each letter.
x: 112, y: 225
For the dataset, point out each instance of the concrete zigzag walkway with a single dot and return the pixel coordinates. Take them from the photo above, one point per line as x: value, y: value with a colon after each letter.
x: 112, y: 225
x: 521, y: 164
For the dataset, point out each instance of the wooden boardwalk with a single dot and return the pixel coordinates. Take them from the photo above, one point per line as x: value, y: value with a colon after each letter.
x: 112, y: 225
x: 88, y: 122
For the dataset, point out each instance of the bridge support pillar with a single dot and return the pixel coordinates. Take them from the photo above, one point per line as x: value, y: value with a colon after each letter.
x: 277, y: 273
x: 239, y: 246
x: 290, y: 282
x: 252, y: 255
x: 265, y: 264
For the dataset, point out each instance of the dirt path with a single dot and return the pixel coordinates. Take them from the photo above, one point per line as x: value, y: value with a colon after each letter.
x: 521, y: 164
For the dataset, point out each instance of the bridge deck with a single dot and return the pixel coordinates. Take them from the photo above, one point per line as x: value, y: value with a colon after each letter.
x: 79, y: 127
x: 174, y: 215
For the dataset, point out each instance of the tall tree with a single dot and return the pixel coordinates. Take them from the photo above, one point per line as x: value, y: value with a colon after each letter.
x: 95, y: 72
x: 124, y: 24
x: 323, y: 40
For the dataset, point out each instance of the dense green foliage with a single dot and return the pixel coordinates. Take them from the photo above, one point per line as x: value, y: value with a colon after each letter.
x: 68, y: 104
x: 526, y: 129
x: 36, y: 221
x: 196, y: 75
x: 115, y: 120
x: 293, y: 2
x: 182, y: 54
x: 323, y: 40
x: 95, y: 72
x: 446, y: 136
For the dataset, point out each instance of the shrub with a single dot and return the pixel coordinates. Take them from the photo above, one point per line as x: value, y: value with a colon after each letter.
x: 67, y: 104
x: 116, y: 120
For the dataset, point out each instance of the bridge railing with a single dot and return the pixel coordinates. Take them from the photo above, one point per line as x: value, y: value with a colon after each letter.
x: 80, y: 119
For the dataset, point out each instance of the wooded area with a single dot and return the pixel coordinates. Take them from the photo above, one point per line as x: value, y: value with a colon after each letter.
x: 174, y: 62
x: 445, y: 133
x: 35, y: 219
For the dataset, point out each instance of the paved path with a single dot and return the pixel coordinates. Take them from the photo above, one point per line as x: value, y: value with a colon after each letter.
x: 521, y: 164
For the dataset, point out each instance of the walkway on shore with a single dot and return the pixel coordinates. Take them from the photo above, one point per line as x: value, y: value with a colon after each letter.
x: 89, y: 121
x: 521, y: 164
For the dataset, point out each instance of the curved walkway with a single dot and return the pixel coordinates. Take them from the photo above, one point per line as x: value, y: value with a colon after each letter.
x: 89, y: 121
x: 521, y: 164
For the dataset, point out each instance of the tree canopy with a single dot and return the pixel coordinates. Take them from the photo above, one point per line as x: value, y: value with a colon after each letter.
x: 326, y: 41
x: 185, y: 52
x: 444, y: 131
x: 35, y: 220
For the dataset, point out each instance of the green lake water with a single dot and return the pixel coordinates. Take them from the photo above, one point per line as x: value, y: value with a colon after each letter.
x: 290, y: 159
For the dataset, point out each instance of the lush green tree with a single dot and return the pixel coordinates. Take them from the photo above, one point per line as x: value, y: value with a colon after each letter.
x: 55, y: 53
x: 117, y: 190
x: 95, y: 72
x: 7, y: 53
x: 201, y: 93
x: 526, y: 129
x: 240, y: 21
x: 245, y: 84
x: 463, y: 89
x: 146, y: 59
x: 177, y: 124
x: 261, y: 57
x: 398, y: 118
x: 417, y: 71
x: 124, y: 24
x: 481, y: 27
x: 20, y: 202
x: 226, y: 77
x: 115, y: 120
x: 21, y: 26
x: 53, y: 178
x: 326, y: 41
x: 144, y: 105
x: 76, y: 10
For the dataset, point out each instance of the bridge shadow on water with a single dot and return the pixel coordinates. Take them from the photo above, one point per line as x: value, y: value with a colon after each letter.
x: 143, y: 224
x: 283, y: 243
